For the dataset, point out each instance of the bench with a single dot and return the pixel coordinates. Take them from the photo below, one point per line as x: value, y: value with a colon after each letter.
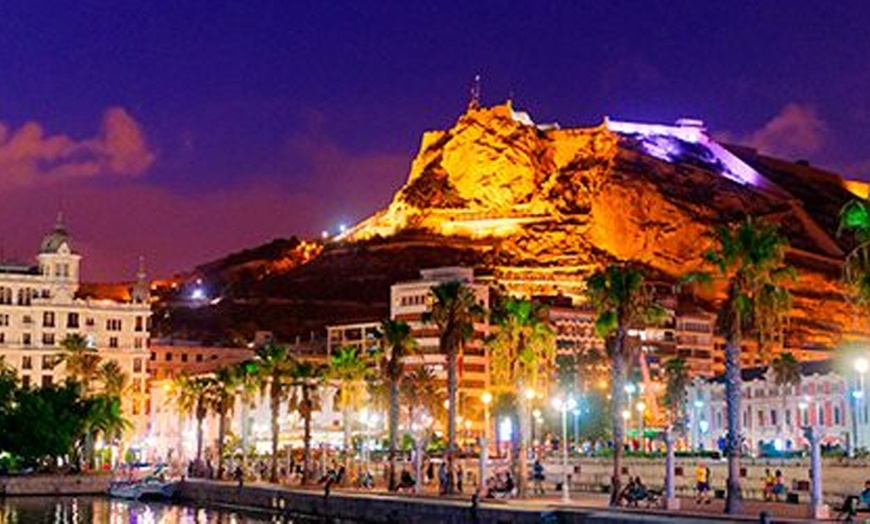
x: 850, y: 508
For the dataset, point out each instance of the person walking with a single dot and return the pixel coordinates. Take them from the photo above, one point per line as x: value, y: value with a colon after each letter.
x: 442, y: 478
x: 702, y: 483
x: 459, y: 478
x: 538, y: 477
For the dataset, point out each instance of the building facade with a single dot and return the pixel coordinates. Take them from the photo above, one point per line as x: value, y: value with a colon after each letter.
x: 39, y: 308
x: 409, y: 301
x: 772, y: 418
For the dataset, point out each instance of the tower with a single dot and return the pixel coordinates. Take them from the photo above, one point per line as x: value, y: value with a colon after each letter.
x: 58, y: 263
x: 141, y: 292
x: 474, y: 100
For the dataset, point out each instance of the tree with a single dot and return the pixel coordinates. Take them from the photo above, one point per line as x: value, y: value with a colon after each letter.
x: 305, y: 378
x: 749, y: 260
x: 222, y: 400
x: 113, y: 378
x: 622, y: 301
x: 855, y: 219
x: 349, y: 369
x: 82, y: 362
x: 786, y: 372
x: 454, y: 311
x: 676, y: 384
x: 398, y: 344
x: 275, y: 366
x: 522, y: 351
x: 193, y: 397
x: 420, y: 388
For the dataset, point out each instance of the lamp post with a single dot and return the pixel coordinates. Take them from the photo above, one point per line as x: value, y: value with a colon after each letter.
x: 576, y: 414
x: 699, y: 405
x: 485, y: 398
x: 564, y: 405
x: 861, y: 366
x: 641, y: 408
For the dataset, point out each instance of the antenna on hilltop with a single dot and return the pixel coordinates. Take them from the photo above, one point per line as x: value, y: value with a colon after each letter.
x: 474, y: 102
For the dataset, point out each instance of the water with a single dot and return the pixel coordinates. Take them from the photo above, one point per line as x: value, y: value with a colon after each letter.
x: 100, y: 510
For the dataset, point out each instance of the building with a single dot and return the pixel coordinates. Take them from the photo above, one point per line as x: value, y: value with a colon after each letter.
x: 362, y: 336
x: 409, y: 301
x: 39, y: 308
x: 771, y: 418
x: 168, y: 359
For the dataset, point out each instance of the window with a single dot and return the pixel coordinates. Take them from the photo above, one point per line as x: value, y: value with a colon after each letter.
x: 89, y: 322
x: 48, y: 339
x: 72, y: 320
x: 168, y: 357
x: 46, y: 381
x: 836, y: 414
x: 25, y: 339
x: 113, y: 324
x: 26, y: 363
x: 136, y: 406
x: 27, y: 319
x: 137, y: 343
x: 760, y: 417
x: 140, y: 325
x: 137, y: 365
x: 25, y: 381
x: 4, y: 319
x: 788, y: 417
x: 821, y: 415
x: 199, y: 357
x: 772, y: 417
x: 806, y: 417
x: 113, y: 342
x: 47, y: 362
x: 5, y: 295
x: 2, y: 337
x: 137, y: 385
x: 184, y: 357
x: 153, y: 356
x: 48, y: 319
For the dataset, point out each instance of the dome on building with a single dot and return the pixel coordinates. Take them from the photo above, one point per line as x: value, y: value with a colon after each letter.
x: 58, y: 237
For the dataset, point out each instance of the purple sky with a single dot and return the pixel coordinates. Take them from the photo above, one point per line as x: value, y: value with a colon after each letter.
x: 182, y: 132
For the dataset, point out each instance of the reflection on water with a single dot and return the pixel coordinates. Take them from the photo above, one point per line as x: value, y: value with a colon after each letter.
x: 97, y: 510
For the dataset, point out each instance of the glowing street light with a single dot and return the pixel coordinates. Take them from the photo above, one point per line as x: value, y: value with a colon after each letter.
x: 565, y: 405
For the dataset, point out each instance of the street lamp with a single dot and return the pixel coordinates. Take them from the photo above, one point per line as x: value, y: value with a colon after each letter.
x: 564, y: 405
x: 641, y: 407
x: 699, y: 405
x: 861, y: 366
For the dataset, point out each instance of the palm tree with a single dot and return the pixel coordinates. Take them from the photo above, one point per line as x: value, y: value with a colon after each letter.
x: 786, y: 372
x: 750, y: 261
x: 399, y: 343
x: 104, y: 415
x: 855, y: 219
x: 193, y: 397
x: 82, y: 362
x: 222, y: 400
x: 522, y: 351
x: 275, y: 366
x: 420, y: 388
x: 349, y: 369
x: 305, y: 378
x: 622, y: 301
x: 676, y: 384
x: 454, y: 311
x: 113, y: 379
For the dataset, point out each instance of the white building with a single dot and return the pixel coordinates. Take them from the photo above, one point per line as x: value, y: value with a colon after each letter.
x: 39, y: 308
x: 827, y: 398
x: 409, y: 301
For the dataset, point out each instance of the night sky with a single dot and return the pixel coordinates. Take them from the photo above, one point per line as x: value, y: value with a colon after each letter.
x: 181, y: 131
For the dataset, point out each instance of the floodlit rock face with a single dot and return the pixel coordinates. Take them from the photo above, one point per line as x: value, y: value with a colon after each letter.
x: 549, y: 205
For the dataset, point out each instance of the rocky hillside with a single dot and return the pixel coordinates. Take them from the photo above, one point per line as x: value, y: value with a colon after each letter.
x: 537, y: 207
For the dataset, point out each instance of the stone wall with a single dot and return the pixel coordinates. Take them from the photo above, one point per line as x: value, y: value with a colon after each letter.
x: 840, y: 477
x: 369, y: 508
x: 26, y: 485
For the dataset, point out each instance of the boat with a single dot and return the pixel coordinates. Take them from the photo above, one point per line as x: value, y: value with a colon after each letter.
x: 149, y: 488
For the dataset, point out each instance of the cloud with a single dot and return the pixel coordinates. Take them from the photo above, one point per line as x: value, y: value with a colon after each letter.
x: 29, y: 156
x: 796, y: 131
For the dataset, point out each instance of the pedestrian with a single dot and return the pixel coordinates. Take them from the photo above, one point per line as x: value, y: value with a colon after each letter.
x: 239, y: 475
x: 768, y: 485
x: 442, y: 478
x: 538, y: 477
x: 430, y: 472
x: 778, y: 485
x: 459, y: 478
x: 702, y: 483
